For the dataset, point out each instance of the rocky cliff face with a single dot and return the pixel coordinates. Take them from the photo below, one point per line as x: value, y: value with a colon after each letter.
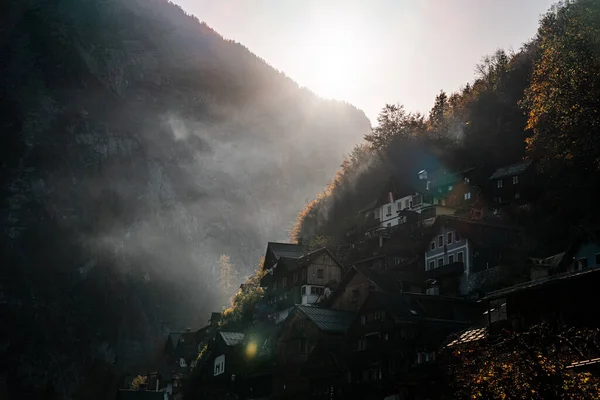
x: 137, y: 146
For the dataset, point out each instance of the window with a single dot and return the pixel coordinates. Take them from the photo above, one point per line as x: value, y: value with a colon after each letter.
x: 468, y: 196
x: 303, y: 273
x: 440, y: 190
x: 459, y: 256
x: 295, y: 277
x: 397, y: 261
x: 399, y: 205
x: 450, y: 188
x: 456, y: 236
x: 302, y: 346
x: 431, y: 265
x: 499, y: 182
x: 362, y: 344
x: 284, y: 282
x: 449, y: 237
x: 355, y: 293
x: 467, y: 180
x: 598, y: 259
x: 582, y: 263
x: 389, y: 210
x: 363, y: 319
x: 517, y: 195
x: 440, y: 262
x: 389, y: 224
x: 432, y: 246
x: 303, y: 290
x: 219, y: 365
x: 451, y: 259
x: 515, y: 180
x: 406, y: 203
x: 441, y: 241
x: 317, y: 290
x: 320, y: 273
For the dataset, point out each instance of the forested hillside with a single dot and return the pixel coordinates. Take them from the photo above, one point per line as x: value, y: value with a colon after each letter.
x: 137, y: 146
x: 541, y: 102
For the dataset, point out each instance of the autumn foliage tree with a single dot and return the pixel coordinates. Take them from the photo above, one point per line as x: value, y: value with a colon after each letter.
x: 563, y: 100
x: 528, y: 365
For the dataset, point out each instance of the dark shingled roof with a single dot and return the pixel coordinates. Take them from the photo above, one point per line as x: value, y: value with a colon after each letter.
x: 510, y: 170
x: 328, y: 320
x: 470, y: 335
x: 287, y: 250
x: 232, y: 338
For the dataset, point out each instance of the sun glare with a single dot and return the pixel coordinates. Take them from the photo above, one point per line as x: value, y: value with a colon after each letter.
x: 335, y: 60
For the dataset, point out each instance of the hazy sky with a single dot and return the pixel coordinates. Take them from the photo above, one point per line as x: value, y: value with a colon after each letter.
x: 378, y: 51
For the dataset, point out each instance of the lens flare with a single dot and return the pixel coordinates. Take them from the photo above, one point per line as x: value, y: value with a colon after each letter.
x: 251, y: 349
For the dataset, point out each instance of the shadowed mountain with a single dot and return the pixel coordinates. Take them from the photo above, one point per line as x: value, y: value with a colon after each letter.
x: 137, y: 146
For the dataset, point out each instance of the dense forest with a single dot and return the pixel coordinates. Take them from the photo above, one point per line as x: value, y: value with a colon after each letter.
x: 140, y: 151
x: 539, y: 103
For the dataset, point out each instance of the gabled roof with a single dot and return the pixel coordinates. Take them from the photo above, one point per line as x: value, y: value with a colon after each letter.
x: 510, y: 170
x: 583, y: 235
x: 288, y: 250
x: 328, y: 320
x: 174, y: 338
x: 369, y: 206
x: 309, y: 256
x: 232, y: 338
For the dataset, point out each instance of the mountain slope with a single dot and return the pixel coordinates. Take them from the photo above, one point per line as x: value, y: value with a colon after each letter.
x: 137, y: 146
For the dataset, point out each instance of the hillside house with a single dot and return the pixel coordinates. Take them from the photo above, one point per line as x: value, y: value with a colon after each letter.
x: 309, y: 351
x: 295, y: 277
x: 560, y: 298
x: 392, y: 343
x: 459, y: 248
x: 513, y: 185
x: 583, y: 252
x: 363, y: 278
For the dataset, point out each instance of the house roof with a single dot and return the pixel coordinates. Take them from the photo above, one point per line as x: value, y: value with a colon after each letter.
x: 547, y: 281
x: 583, y: 235
x: 288, y: 250
x: 369, y: 206
x: 470, y: 335
x: 174, y: 338
x: 592, y: 362
x: 328, y: 320
x: 232, y: 338
x: 510, y: 170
